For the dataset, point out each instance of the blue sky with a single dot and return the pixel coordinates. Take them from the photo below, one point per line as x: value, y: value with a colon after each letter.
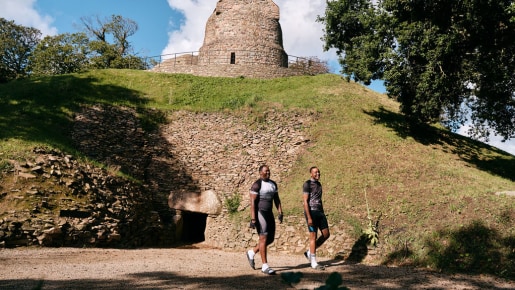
x: 174, y: 26
x: 171, y: 26
x: 154, y: 21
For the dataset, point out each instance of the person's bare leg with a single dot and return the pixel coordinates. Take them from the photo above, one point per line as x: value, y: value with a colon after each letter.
x: 262, y: 248
x: 256, y: 248
x: 325, y: 235
x: 312, y: 242
x: 313, y: 245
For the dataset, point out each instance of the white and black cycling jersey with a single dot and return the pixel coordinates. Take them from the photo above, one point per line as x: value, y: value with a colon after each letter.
x: 265, y: 191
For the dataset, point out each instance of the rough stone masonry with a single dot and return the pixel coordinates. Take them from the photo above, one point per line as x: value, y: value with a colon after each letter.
x: 242, y: 39
x: 193, y: 157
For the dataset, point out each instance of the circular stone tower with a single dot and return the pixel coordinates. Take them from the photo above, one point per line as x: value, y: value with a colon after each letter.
x: 244, y: 32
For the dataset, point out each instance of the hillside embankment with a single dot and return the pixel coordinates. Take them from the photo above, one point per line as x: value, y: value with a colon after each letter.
x: 69, y: 202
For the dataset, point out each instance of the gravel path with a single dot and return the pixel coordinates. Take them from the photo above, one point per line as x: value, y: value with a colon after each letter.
x: 203, y: 268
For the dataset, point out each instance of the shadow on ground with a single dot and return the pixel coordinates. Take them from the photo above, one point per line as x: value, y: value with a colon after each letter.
x: 354, y: 276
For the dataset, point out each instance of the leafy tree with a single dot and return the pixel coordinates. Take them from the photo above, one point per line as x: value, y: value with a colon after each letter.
x: 103, y: 54
x: 16, y: 44
x: 122, y: 28
x: 445, y: 61
x: 130, y: 62
x: 116, y: 54
x: 64, y: 53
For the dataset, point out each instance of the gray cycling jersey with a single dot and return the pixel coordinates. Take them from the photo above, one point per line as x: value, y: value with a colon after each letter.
x: 313, y: 188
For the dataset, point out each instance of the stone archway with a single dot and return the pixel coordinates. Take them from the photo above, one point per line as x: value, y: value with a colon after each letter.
x: 192, y: 211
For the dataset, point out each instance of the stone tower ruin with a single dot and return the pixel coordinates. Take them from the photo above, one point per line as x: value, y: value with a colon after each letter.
x: 242, y: 38
x: 244, y: 32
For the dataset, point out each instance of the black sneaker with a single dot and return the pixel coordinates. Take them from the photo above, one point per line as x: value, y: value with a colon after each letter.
x: 307, y: 255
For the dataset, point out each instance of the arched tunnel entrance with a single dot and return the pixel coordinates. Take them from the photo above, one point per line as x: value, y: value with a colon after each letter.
x: 193, y: 227
x: 192, y: 211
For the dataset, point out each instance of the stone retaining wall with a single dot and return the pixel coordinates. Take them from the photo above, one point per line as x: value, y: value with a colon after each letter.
x: 70, y: 203
x: 190, y: 154
x: 259, y: 71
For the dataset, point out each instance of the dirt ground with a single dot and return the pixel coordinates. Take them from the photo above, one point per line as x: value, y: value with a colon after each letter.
x: 204, y: 268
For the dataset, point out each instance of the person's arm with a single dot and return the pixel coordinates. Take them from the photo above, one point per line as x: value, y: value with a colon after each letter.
x: 253, y: 194
x: 305, y: 202
x: 253, y: 198
x: 279, y: 207
x: 277, y: 202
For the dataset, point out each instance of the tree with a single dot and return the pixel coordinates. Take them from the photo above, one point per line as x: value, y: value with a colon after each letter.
x: 444, y: 61
x: 16, y: 45
x: 122, y: 28
x: 309, y: 65
x: 60, y: 54
x: 103, y: 54
x: 116, y: 54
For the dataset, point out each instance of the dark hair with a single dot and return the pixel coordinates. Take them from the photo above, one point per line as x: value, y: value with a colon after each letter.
x: 262, y: 166
x: 311, y: 169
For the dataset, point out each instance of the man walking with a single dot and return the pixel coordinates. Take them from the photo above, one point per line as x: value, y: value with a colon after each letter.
x: 315, y: 217
x: 263, y: 194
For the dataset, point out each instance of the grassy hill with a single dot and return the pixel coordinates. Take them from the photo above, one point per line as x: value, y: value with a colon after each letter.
x: 432, y: 192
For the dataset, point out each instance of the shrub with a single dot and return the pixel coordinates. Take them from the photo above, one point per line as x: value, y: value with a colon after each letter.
x: 233, y: 203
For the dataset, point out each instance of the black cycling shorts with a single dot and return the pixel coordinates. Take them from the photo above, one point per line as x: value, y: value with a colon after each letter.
x: 319, y: 221
x: 266, y: 225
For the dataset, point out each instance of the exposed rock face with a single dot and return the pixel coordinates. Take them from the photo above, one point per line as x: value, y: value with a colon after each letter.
x: 223, y: 152
x: 80, y: 205
x: 197, y: 159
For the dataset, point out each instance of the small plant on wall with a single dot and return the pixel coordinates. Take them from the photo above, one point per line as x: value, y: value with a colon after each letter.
x: 232, y: 203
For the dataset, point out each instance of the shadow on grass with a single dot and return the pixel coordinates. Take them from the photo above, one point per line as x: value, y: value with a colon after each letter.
x: 121, y: 138
x: 475, y: 249
x: 501, y: 164
x: 106, y: 123
x: 41, y: 109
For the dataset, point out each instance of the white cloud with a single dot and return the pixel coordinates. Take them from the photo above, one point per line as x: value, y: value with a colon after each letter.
x: 190, y: 34
x: 24, y: 13
x: 508, y: 146
x: 496, y: 141
x: 301, y: 33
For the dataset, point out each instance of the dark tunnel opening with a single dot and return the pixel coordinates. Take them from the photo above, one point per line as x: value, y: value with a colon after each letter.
x: 194, y: 227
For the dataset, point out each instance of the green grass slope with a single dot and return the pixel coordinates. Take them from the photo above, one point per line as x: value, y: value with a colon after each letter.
x: 433, y: 193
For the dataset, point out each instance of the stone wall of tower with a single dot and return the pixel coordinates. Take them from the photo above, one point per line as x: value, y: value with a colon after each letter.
x: 243, y: 38
x: 227, y: 70
x: 242, y: 32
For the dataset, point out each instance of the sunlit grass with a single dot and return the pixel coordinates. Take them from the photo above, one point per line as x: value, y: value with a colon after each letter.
x: 418, y: 179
